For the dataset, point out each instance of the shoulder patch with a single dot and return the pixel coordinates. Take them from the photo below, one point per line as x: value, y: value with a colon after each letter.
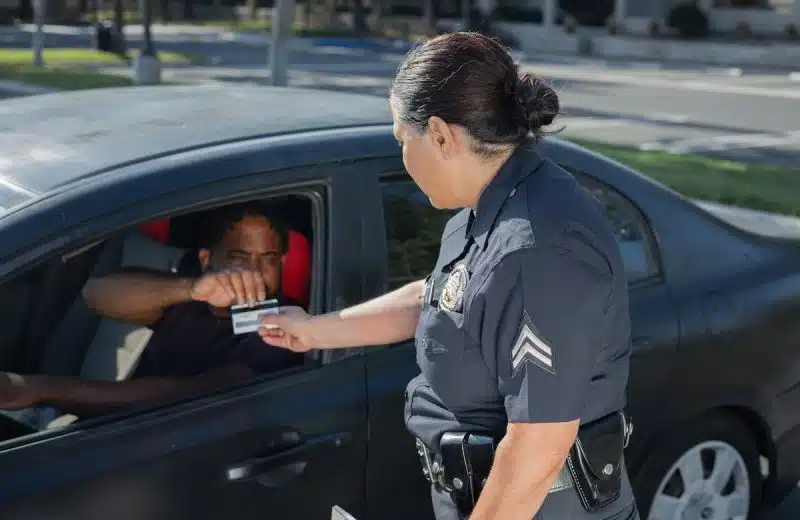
x: 530, y: 347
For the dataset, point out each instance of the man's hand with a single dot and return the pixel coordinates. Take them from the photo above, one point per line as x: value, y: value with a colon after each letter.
x: 290, y: 328
x: 17, y: 392
x: 229, y: 287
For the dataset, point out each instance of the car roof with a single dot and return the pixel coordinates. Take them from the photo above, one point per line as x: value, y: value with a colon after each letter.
x: 51, y: 140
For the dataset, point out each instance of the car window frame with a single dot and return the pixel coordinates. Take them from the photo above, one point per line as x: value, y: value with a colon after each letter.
x: 317, y: 189
x: 653, y: 254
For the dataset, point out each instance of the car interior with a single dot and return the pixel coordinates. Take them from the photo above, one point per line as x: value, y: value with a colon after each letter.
x: 49, y: 329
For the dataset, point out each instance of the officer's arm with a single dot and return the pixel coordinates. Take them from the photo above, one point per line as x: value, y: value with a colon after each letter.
x: 389, y: 318
x: 540, y: 310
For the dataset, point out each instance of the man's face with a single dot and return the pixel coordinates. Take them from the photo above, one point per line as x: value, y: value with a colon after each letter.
x: 252, y: 244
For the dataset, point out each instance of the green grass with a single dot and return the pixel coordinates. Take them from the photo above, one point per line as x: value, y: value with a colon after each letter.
x: 63, y: 57
x: 69, y: 69
x: 73, y: 78
x: 762, y: 187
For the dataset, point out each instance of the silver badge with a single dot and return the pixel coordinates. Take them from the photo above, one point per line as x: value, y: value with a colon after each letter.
x: 453, y: 292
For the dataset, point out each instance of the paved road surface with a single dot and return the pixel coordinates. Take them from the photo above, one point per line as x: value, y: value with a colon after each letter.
x: 743, y: 115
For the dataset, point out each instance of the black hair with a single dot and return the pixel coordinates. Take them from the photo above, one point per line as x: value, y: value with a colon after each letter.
x: 470, y: 80
x: 216, y: 223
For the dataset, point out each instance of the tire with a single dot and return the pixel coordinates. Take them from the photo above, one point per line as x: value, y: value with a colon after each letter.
x: 706, y: 441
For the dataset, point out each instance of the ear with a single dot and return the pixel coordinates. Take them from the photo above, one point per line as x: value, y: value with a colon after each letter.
x: 444, y: 136
x: 204, y: 256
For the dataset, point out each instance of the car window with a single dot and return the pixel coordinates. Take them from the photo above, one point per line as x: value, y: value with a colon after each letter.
x: 413, y: 230
x: 43, y: 307
x: 630, y: 229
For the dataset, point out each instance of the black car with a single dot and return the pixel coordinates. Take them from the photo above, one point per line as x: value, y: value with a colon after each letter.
x: 94, y: 180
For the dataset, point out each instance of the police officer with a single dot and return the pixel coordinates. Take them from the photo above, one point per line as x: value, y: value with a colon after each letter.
x: 522, y: 329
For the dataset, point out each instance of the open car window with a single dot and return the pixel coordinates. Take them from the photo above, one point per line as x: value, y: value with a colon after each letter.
x: 55, y: 333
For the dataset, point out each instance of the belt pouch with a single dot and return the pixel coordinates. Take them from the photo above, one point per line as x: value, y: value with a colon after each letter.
x: 595, y: 461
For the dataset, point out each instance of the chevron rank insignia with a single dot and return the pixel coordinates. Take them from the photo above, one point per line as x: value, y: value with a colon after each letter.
x: 531, y: 348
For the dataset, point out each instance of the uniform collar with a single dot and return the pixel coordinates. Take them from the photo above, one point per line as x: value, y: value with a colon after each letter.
x: 523, y: 162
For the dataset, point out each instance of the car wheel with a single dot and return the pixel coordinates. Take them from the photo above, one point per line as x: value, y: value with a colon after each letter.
x: 708, y: 470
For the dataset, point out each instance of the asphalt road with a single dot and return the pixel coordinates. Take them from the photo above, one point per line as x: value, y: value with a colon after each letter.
x: 743, y: 115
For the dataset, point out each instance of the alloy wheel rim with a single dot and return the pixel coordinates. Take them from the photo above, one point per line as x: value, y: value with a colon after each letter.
x: 708, y: 482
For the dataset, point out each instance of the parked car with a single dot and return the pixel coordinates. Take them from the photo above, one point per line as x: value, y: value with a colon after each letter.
x: 84, y: 179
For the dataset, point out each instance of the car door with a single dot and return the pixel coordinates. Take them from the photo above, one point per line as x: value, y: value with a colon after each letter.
x: 287, y: 445
x: 655, y: 330
x: 406, y: 231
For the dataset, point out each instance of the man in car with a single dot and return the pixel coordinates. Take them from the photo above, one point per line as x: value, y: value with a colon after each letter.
x: 193, y: 349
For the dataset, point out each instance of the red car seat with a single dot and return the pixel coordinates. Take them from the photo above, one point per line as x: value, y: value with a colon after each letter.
x: 296, y: 281
x: 297, y: 269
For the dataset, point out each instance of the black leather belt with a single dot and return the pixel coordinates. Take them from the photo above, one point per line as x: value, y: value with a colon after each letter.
x: 434, y: 471
x: 593, y: 467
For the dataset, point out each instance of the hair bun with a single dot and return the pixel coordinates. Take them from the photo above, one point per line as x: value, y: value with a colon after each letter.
x: 537, y: 100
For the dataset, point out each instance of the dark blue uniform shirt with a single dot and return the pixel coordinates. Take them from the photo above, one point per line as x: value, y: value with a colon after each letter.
x: 526, y: 314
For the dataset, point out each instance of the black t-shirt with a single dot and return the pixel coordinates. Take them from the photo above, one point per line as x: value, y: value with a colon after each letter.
x: 189, y: 340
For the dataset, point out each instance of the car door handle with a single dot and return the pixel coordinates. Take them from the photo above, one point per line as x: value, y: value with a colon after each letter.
x: 273, y: 469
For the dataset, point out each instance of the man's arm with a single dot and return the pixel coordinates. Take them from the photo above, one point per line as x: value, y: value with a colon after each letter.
x: 91, y: 398
x: 136, y: 296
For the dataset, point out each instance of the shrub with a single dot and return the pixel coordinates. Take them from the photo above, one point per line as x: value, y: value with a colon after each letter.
x: 588, y: 13
x: 654, y: 28
x: 743, y: 29
x: 689, y: 20
x: 507, y: 13
x: 570, y: 24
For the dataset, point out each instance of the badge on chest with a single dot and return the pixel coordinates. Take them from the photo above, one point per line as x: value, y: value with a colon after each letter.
x: 452, y: 297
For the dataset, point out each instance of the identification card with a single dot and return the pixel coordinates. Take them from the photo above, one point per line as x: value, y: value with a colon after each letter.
x: 247, y: 318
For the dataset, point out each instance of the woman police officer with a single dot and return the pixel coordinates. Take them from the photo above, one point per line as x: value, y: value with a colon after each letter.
x: 522, y: 328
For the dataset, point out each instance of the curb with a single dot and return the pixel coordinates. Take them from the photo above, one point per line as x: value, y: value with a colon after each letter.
x: 24, y: 89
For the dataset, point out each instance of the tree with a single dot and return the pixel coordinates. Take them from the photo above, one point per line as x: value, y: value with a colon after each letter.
x: 119, y: 30
x: 359, y: 18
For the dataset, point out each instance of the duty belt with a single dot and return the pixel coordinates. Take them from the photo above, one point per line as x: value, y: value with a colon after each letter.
x: 434, y: 472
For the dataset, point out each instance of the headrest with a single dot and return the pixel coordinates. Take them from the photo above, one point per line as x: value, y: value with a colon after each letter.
x: 297, y: 269
x: 157, y: 230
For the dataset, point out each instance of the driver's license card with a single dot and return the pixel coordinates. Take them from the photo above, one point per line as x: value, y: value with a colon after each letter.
x: 247, y: 318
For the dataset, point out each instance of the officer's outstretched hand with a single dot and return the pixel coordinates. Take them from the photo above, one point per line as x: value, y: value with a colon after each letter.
x: 288, y: 329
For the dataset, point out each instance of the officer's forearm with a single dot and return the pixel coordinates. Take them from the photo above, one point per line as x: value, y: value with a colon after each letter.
x: 526, y: 464
x: 389, y: 318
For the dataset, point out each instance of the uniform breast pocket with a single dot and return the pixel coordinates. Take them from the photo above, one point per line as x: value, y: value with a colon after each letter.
x: 449, y: 360
x: 441, y: 333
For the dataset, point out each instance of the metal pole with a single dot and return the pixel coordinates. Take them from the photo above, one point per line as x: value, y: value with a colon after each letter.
x: 147, y: 21
x: 38, y: 36
x: 282, y: 19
